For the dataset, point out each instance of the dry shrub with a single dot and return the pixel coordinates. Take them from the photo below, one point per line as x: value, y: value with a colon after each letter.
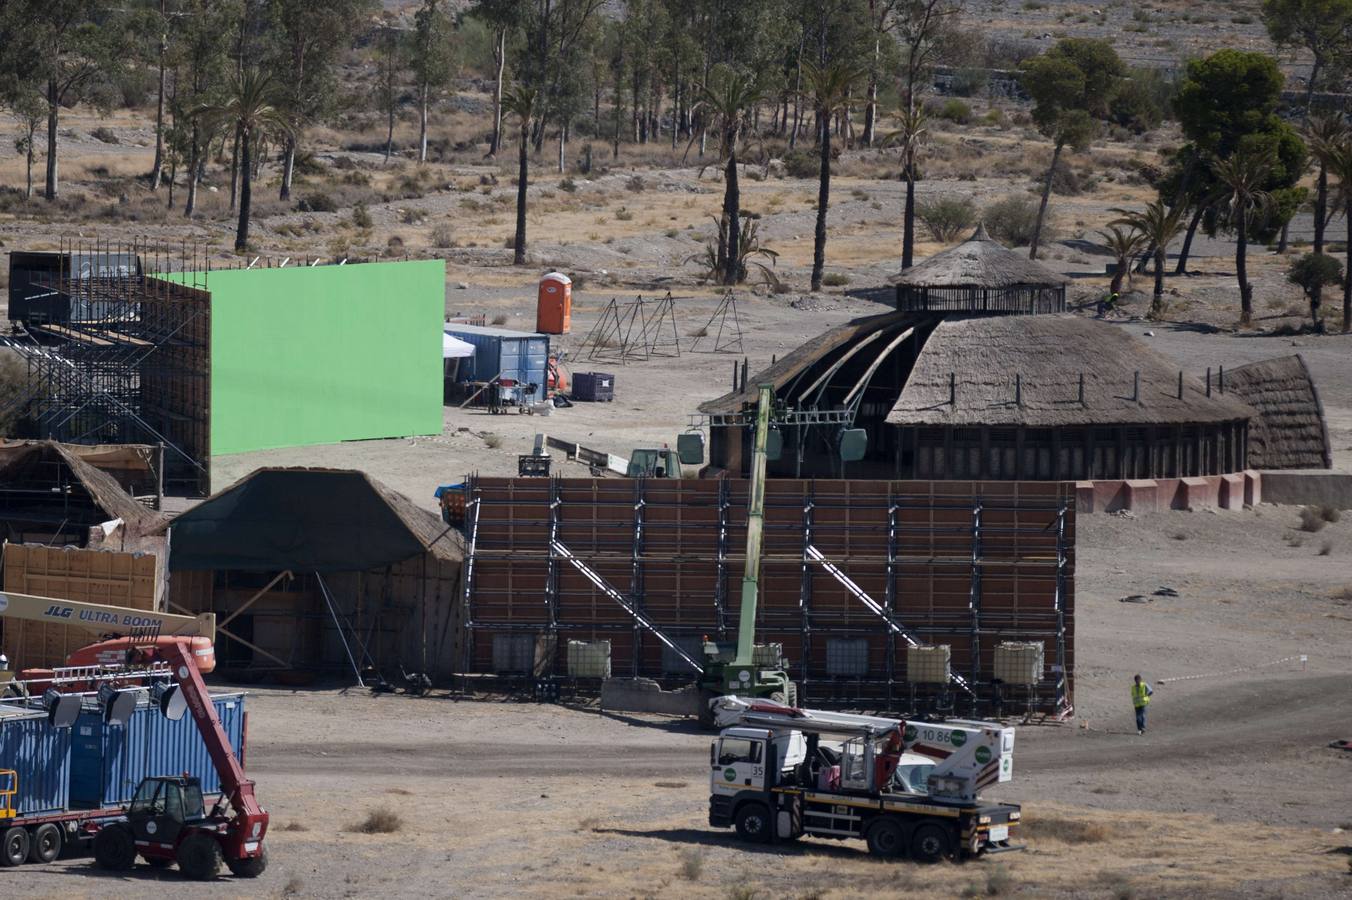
x: 588, y: 824
x: 443, y: 236
x: 500, y: 319
x: 1065, y: 831
x: 1326, y: 548
x: 494, y: 441
x: 381, y: 820
x: 295, y: 826
x: 1330, y: 513
x: 1343, y: 593
x: 292, y: 887
x: 692, y: 863
x: 1118, y: 885
x: 1311, y: 520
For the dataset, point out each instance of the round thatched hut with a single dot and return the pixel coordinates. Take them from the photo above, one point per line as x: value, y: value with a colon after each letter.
x: 981, y: 277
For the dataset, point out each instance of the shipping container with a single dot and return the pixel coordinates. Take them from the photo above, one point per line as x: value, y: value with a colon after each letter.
x: 40, y: 757
x: 519, y: 356
x: 96, y: 765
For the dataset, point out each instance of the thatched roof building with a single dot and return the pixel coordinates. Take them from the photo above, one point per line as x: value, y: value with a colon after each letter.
x: 1288, y: 430
x: 979, y: 276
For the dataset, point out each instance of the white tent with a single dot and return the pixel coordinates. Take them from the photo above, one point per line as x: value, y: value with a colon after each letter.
x: 454, y: 348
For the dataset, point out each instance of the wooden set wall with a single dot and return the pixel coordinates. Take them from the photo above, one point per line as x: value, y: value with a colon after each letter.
x: 68, y: 573
x: 675, y: 550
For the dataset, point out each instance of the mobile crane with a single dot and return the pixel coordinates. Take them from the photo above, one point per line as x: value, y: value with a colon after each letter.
x: 166, y: 822
x: 903, y: 787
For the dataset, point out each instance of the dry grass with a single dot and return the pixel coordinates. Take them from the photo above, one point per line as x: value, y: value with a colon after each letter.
x: 292, y: 887
x: 295, y: 826
x: 692, y: 863
x: 1061, y: 830
x: 493, y: 441
x: 499, y: 319
x: 1311, y: 519
x: 381, y: 820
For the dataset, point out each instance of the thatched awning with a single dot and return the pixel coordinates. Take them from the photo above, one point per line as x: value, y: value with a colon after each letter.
x: 978, y: 262
x: 19, y: 461
x: 798, y: 360
x: 1289, y: 430
x: 1026, y: 371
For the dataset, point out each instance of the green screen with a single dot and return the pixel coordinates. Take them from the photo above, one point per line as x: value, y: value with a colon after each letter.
x: 324, y: 354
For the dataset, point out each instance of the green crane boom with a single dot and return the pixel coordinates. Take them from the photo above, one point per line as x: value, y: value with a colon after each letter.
x: 755, y: 526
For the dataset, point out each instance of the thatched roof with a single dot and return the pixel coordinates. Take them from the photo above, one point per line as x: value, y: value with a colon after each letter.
x: 1039, y: 360
x: 307, y: 519
x: 20, y: 463
x: 1289, y: 430
x: 798, y: 360
x: 978, y: 262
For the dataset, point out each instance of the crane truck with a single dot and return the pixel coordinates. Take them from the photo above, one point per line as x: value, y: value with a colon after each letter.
x: 732, y: 668
x: 167, y: 821
x: 777, y: 772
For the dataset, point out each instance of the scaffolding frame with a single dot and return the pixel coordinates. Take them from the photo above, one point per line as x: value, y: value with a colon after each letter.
x: 132, y: 362
x: 852, y: 563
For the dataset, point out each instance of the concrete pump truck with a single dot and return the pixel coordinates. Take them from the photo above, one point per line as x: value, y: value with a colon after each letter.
x: 906, y: 788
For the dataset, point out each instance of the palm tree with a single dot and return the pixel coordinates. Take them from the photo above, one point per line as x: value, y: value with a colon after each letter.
x: 1158, y: 225
x: 726, y: 99
x: 1323, y: 135
x: 828, y: 89
x: 1242, y: 176
x: 1124, y: 245
x: 1339, y: 163
x: 521, y: 101
x: 251, y: 108
x: 909, y: 137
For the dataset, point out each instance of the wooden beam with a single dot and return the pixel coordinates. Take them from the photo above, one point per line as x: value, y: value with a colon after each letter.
x: 250, y: 602
x: 862, y: 382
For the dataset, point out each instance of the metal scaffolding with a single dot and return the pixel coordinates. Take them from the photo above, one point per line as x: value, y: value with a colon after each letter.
x: 869, y: 568
x: 130, y: 360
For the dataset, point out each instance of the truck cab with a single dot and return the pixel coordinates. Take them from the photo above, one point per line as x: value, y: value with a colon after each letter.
x: 654, y: 463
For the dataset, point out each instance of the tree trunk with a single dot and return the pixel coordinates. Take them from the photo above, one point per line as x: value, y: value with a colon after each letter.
x: 28, y: 191
x: 563, y: 139
x: 908, y: 214
x: 53, y: 114
x: 1283, y: 237
x: 422, y: 124
x: 1042, y: 207
x: 159, y: 110
x: 1157, y: 301
x: 1182, y: 267
x: 1347, y: 280
x: 389, y: 132
x: 190, y: 204
x: 1119, y: 273
x: 500, y: 63
x: 1321, y: 202
x: 1309, y: 89
x: 234, y: 171
x: 870, y: 110
x: 1242, y: 268
x: 173, y: 173
x: 732, y: 205
x: 245, y: 194
x: 823, y: 201
x: 288, y: 168
x: 519, y: 244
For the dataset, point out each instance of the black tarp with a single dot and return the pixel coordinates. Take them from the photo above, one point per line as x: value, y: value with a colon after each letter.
x: 305, y: 520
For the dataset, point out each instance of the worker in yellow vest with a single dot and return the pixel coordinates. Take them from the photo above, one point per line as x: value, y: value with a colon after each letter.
x: 1140, y: 698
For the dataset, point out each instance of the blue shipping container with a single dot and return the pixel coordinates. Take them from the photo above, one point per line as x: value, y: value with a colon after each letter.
x: 92, y: 765
x: 498, y: 352
x: 40, y: 755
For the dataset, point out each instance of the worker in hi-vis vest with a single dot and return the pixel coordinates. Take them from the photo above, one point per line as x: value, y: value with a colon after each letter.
x: 1140, y: 698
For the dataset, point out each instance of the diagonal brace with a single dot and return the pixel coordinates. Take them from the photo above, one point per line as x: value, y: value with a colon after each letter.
x: 602, y: 585
x: 876, y: 608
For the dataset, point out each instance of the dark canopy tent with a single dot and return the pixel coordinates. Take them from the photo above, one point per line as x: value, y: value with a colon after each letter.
x: 312, y: 520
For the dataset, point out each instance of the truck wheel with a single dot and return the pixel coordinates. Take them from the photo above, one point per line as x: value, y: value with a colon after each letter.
x: 885, y: 838
x: 753, y: 823
x: 114, y: 848
x: 199, y: 857
x: 930, y: 843
x: 14, y: 846
x: 45, y: 844
x: 250, y: 866
x: 705, y: 714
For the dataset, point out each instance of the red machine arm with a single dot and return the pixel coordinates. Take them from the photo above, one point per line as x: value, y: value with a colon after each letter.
x: 250, y: 823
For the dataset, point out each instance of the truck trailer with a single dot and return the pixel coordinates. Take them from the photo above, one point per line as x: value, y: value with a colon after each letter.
x: 906, y: 788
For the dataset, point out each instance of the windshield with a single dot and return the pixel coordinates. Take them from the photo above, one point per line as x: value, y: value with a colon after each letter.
x: 913, y: 779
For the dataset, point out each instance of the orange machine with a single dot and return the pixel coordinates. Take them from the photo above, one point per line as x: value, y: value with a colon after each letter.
x: 554, y: 305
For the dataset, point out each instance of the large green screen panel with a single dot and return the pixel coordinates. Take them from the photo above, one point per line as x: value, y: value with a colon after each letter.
x: 331, y: 353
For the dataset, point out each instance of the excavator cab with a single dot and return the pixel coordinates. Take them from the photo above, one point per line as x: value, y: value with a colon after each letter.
x: 162, y: 807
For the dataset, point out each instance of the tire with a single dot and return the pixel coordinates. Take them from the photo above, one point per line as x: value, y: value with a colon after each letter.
x: 754, y: 823
x: 199, y: 857
x: 885, y: 838
x: 44, y: 844
x: 114, y: 848
x: 14, y: 846
x: 930, y: 843
x: 249, y: 867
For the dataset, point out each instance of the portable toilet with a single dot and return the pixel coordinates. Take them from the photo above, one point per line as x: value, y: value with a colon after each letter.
x: 554, y: 305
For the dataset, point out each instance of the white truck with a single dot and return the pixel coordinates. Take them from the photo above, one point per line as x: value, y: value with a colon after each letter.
x: 907, y: 788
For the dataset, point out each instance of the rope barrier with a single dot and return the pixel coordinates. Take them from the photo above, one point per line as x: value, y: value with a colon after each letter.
x: 1276, y: 662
